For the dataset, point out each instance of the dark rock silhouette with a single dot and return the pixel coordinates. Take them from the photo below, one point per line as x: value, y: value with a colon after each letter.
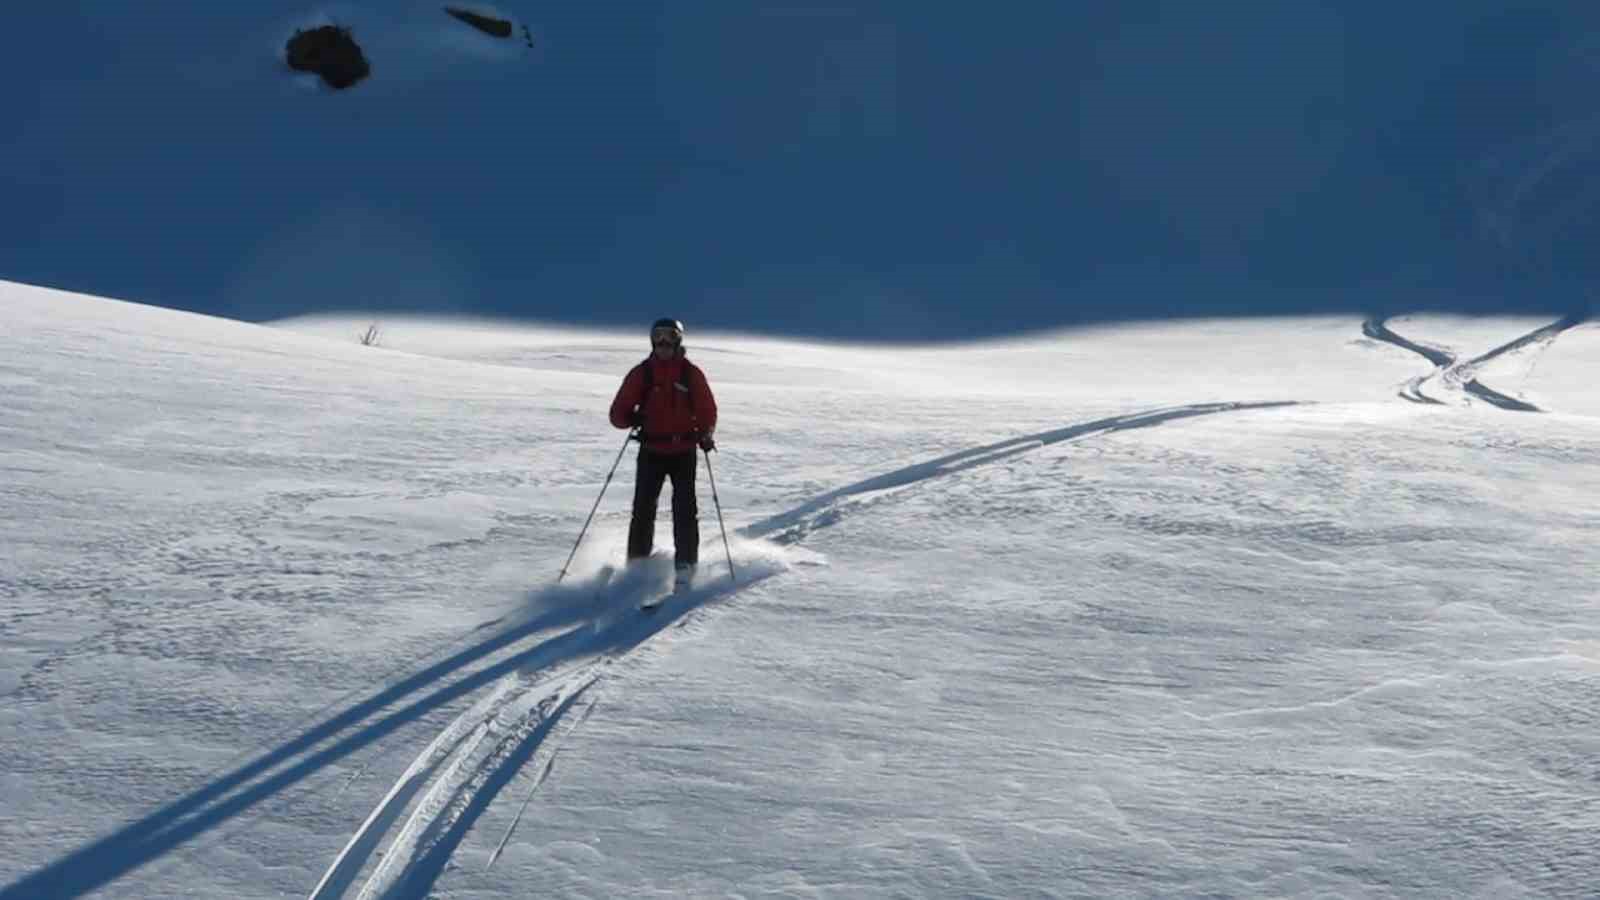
x: 499, y: 28
x: 491, y: 25
x: 329, y: 51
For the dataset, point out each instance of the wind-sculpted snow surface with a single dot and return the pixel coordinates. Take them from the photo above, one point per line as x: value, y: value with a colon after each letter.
x: 1277, y: 646
x: 541, y: 664
x: 468, y: 763
x: 361, y: 723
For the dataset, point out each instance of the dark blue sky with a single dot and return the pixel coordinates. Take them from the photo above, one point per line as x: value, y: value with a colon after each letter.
x: 895, y: 169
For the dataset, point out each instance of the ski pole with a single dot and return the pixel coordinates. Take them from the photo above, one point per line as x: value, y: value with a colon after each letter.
x: 723, y: 525
x: 596, y: 506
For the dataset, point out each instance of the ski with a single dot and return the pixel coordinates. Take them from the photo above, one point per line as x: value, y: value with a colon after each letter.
x: 680, y: 585
x: 602, y: 580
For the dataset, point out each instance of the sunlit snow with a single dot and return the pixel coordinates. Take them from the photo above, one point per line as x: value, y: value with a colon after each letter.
x: 1185, y: 609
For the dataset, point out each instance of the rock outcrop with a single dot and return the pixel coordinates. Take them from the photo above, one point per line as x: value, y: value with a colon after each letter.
x: 329, y: 51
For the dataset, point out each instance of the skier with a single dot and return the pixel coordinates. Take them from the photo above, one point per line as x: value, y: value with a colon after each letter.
x: 669, y: 400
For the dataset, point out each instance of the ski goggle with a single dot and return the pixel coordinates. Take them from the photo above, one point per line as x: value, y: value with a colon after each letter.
x: 666, y: 336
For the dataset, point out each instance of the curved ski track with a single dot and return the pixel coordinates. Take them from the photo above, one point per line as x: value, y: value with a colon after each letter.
x: 480, y: 753
x: 1463, y: 375
x: 536, y: 671
x: 531, y: 671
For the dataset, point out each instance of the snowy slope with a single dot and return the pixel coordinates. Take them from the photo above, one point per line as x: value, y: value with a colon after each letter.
x: 1191, y: 609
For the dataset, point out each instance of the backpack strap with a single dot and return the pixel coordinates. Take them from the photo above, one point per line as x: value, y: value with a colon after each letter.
x: 681, y: 386
x: 684, y: 386
x: 649, y: 380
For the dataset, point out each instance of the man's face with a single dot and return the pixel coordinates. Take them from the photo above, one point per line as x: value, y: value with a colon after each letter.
x: 665, y: 341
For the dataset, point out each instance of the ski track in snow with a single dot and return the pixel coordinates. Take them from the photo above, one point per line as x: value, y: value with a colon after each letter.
x: 531, y: 689
x: 792, y: 527
x: 465, y: 767
x: 550, y: 762
x: 1462, y: 375
x: 1378, y: 329
x: 497, y: 714
x: 499, y: 748
x: 480, y: 753
x: 531, y: 670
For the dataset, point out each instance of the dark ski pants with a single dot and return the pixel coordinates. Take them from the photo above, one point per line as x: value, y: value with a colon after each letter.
x: 655, y: 468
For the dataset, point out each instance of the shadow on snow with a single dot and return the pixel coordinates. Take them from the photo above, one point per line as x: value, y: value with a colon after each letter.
x: 587, y: 630
x: 792, y: 526
x: 587, y: 633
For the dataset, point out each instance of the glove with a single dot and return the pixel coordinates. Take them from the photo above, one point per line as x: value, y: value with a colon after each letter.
x: 707, y: 443
x: 636, y: 419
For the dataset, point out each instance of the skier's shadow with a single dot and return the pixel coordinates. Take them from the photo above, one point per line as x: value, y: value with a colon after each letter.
x: 585, y: 630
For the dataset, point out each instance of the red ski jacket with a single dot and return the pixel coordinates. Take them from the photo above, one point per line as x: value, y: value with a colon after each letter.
x: 674, y: 400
